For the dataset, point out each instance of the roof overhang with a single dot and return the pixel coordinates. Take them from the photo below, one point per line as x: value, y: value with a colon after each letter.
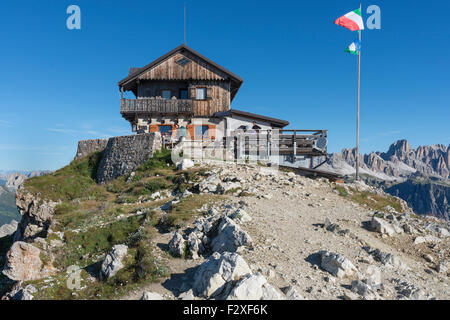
x: 134, y: 73
x: 274, y: 122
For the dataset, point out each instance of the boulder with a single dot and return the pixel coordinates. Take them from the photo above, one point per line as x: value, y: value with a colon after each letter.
x: 253, y: 287
x: 8, y: 229
x: 229, y: 237
x: 209, y: 185
x: 426, y: 239
x: 291, y: 293
x: 441, y: 267
x: 381, y: 226
x: 188, y: 295
x: 185, y: 164
x: 194, y: 244
x: 241, y: 215
x: 23, y: 263
x: 19, y: 292
x: 151, y: 296
x: 113, y: 261
x: 177, y: 244
x: 389, y: 259
x: 364, y: 290
x: 336, y: 264
x: 224, y: 187
x: 214, y: 276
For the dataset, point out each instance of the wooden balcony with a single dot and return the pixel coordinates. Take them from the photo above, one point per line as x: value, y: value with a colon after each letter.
x: 162, y: 106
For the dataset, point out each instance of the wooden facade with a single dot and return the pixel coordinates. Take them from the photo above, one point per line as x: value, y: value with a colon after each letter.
x: 176, y: 77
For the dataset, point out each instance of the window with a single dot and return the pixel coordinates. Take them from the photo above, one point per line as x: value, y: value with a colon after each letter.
x: 166, y: 94
x: 201, y: 94
x: 183, y: 94
x: 165, y: 130
x: 201, y: 132
x: 183, y: 61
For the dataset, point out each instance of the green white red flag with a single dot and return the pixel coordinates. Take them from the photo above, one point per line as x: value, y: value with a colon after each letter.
x: 352, y: 21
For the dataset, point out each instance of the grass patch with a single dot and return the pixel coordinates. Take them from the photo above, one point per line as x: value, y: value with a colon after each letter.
x: 75, y: 181
x: 84, y: 249
x: 372, y: 200
x: 97, y: 240
x: 183, y: 211
x: 161, y: 160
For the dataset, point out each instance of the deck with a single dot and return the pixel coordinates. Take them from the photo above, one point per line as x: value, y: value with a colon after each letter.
x: 130, y: 107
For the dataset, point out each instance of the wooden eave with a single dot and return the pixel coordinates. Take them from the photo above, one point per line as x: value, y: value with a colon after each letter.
x: 128, y: 83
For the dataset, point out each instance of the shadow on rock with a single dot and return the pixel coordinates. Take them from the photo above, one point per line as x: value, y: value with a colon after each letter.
x: 314, y: 259
x: 180, y: 282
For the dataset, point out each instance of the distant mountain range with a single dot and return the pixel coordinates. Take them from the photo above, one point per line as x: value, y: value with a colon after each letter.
x: 419, y: 176
x: 13, y: 179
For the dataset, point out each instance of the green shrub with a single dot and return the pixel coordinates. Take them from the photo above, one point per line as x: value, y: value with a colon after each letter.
x: 155, y: 185
x: 160, y: 160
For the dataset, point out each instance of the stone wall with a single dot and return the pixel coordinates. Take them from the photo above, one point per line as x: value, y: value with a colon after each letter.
x: 86, y: 147
x: 124, y: 154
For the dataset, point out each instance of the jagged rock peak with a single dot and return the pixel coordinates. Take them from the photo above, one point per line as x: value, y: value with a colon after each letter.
x: 400, y: 149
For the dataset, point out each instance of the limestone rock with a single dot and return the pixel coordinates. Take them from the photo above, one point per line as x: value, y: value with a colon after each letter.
x: 19, y: 292
x: 209, y: 185
x: 36, y: 215
x: 389, y: 260
x: 151, y: 296
x: 292, y: 294
x: 214, y: 274
x: 23, y: 263
x: 8, y: 229
x: 441, y: 267
x: 224, y: 187
x: 427, y: 238
x: 230, y: 237
x: 241, y: 215
x: 177, y: 244
x: 188, y: 295
x: 364, y: 290
x: 381, y: 226
x: 254, y: 287
x: 113, y: 261
x: 336, y: 264
x: 185, y: 164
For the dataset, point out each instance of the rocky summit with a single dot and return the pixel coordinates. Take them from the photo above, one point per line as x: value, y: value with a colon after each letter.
x: 215, y: 230
x: 420, y: 176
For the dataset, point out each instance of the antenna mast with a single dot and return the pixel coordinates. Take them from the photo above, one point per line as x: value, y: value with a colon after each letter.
x: 185, y: 23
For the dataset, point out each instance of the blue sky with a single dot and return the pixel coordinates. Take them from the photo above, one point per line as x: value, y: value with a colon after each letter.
x: 59, y: 86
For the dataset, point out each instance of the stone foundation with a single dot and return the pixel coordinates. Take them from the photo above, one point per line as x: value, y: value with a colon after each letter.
x: 124, y: 154
x: 87, y: 147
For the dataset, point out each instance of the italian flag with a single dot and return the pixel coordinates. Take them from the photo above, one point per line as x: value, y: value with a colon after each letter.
x: 352, y: 20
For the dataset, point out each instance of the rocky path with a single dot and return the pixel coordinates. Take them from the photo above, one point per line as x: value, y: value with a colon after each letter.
x: 294, y: 218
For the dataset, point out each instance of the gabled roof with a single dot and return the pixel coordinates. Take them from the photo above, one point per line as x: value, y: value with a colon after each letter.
x: 134, y: 73
x: 273, y: 121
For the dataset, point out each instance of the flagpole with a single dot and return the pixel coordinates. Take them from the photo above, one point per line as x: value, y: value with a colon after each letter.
x: 357, y: 110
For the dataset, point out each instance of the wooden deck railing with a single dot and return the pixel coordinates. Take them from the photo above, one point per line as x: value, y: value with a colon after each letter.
x: 156, y: 106
x: 311, y: 143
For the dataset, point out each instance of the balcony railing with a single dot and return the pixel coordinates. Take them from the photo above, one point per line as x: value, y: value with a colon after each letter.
x: 156, y: 105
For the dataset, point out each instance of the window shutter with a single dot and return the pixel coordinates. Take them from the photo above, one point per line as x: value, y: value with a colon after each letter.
x: 211, y: 131
x: 192, y: 93
x: 154, y: 128
x: 209, y: 92
x: 190, y: 131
